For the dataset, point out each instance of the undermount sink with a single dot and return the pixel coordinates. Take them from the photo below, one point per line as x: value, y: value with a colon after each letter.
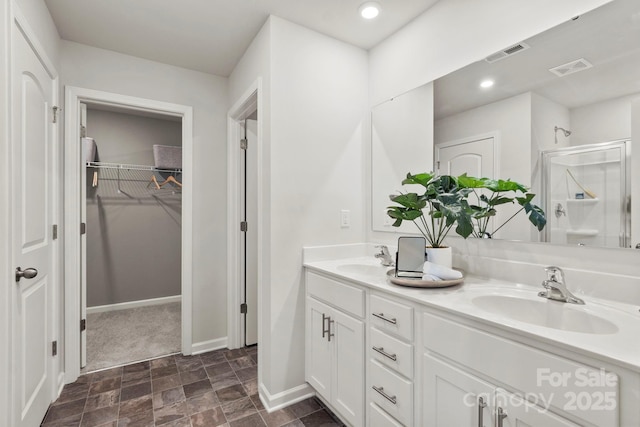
x: 363, y: 269
x: 546, y: 313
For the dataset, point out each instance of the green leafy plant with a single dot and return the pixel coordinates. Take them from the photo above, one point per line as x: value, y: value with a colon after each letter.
x: 442, y: 201
x: 488, y: 194
x: 467, y: 202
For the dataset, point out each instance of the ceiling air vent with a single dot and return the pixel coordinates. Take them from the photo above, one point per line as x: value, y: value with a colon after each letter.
x: 511, y: 50
x: 571, y: 67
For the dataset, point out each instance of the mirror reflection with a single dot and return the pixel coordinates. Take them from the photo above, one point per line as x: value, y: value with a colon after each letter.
x: 401, y: 135
x: 563, y: 93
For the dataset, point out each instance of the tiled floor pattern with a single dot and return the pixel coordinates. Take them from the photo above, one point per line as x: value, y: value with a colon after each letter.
x: 212, y: 389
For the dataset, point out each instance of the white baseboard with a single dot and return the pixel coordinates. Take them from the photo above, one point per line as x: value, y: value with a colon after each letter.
x: 133, y: 304
x: 284, y: 398
x: 204, y: 346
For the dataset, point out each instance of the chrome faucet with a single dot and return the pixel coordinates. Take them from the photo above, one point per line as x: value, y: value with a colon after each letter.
x: 384, y: 256
x: 555, y: 287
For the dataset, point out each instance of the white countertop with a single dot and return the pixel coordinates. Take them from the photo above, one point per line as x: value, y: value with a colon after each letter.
x: 620, y: 348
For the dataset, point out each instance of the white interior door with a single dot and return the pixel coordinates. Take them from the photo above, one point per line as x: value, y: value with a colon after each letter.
x: 249, y: 174
x: 473, y: 156
x: 31, y: 204
x: 83, y: 236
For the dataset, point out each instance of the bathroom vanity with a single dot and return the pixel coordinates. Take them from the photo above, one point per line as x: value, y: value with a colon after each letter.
x: 484, y: 353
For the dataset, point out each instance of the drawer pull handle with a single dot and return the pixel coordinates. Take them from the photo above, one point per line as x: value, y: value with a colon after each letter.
x: 386, y: 319
x: 502, y: 414
x: 481, y: 405
x: 384, y: 353
x: 324, y: 319
x: 380, y: 390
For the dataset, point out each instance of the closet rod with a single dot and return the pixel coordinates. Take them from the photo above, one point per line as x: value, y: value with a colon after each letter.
x: 103, y: 165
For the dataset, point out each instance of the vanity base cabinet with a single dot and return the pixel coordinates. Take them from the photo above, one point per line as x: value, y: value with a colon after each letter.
x: 335, y: 355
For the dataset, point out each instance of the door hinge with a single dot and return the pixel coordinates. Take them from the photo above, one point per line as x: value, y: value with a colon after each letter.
x: 243, y: 226
x: 438, y: 164
x: 55, y: 232
x: 55, y: 110
x: 243, y: 143
x: 83, y: 325
x: 83, y: 131
x: 83, y: 228
x: 54, y: 348
x: 243, y: 308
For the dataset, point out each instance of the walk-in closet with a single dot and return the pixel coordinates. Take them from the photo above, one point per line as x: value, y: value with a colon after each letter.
x: 132, y: 201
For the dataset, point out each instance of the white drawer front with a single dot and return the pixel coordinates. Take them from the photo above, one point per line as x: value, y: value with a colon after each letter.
x: 346, y: 297
x: 392, y: 393
x: 392, y: 352
x: 391, y: 316
x: 379, y: 418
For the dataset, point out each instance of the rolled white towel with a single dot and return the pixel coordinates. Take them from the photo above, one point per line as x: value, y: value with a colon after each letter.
x: 431, y: 277
x: 444, y: 273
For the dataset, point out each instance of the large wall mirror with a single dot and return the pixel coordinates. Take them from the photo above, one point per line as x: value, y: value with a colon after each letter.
x: 572, y: 93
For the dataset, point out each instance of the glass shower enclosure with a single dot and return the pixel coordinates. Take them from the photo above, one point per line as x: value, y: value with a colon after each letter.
x: 586, y: 194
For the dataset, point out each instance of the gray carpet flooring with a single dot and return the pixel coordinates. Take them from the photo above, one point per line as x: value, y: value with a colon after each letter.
x: 119, y: 337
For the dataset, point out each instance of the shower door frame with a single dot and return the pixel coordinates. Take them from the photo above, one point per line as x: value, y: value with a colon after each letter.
x: 625, y: 172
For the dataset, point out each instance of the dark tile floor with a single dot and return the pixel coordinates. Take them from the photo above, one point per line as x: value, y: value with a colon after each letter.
x: 212, y: 389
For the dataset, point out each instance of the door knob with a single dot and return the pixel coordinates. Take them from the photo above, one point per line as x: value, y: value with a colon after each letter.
x: 28, y: 273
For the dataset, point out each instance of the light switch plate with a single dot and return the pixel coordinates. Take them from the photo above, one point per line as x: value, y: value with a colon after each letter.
x: 345, y: 218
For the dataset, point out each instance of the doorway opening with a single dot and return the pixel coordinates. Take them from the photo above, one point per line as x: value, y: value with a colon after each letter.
x: 132, y: 208
x: 114, y: 205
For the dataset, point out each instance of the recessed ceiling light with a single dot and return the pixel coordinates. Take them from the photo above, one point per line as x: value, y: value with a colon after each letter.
x: 369, y: 10
x: 485, y: 84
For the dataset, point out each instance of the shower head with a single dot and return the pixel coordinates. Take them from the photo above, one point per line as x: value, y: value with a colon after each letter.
x: 566, y: 132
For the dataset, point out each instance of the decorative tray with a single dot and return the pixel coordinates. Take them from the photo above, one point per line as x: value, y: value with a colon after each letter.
x: 419, y: 283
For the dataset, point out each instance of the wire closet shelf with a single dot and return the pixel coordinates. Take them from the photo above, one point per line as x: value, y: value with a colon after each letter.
x: 133, y: 180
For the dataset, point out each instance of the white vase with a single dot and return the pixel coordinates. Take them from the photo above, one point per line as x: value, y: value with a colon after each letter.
x: 441, y: 256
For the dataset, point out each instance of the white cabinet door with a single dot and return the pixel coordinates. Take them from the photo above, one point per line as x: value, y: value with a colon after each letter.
x: 513, y: 411
x: 348, y: 376
x: 319, y: 354
x: 452, y: 397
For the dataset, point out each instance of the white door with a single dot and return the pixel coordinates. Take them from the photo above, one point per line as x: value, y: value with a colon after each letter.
x: 251, y: 215
x: 319, y: 356
x: 348, y: 374
x: 452, y: 397
x: 474, y: 156
x: 83, y: 236
x: 31, y: 204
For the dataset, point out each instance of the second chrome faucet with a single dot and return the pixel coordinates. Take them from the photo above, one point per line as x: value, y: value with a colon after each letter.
x: 556, y: 289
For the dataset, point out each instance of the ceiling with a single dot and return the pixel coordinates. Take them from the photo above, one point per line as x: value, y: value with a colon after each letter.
x: 211, y: 35
x: 608, y: 37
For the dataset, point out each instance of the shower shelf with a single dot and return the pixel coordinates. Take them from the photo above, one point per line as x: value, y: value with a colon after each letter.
x: 585, y: 232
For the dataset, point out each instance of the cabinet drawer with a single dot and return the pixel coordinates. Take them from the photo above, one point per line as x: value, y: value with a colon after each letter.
x: 392, y: 393
x: 345, y: 297
x: 391, y: 316
x: 379, y: 418
x: 392, y: 352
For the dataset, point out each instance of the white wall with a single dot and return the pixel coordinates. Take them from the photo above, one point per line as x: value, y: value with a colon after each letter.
x: 605, y: 121
x: 316, y: 95
x: 635, y: 173
x: 318, y: 104
x: 454, y: 33
x: 99, y: 69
